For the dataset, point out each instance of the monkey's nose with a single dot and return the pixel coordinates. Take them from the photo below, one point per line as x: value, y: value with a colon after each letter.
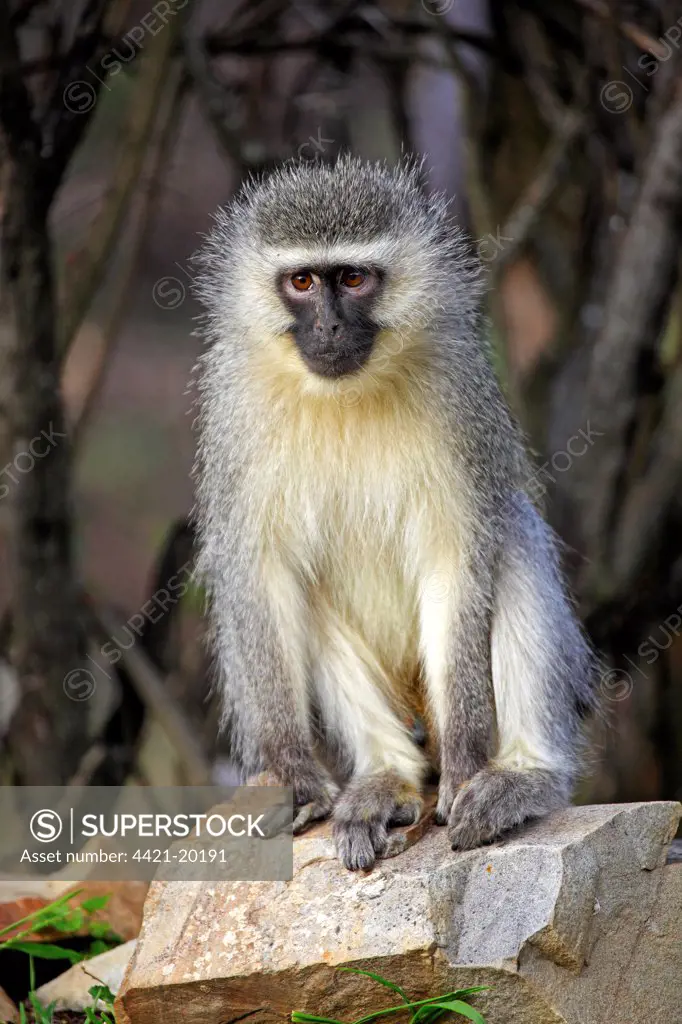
x: 323, y: 328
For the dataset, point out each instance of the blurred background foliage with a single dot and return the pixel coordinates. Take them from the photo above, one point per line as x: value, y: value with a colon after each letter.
x: 557, y: 131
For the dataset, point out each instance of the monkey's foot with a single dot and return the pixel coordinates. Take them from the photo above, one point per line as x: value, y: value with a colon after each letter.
x: 498, y: 799
x: 368, y: 807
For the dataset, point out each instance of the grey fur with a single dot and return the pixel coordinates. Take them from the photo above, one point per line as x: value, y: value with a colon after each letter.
x: 510, y: 551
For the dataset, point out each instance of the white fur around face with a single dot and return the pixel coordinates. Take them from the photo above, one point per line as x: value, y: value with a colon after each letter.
x: 408, y: 299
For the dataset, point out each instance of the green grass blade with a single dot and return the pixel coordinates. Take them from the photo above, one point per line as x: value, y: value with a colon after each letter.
x: 310, y: 1018
x: 101, y: 930
x: 46, y: 951
x: 96, y: 903
x: 432, y: 1001
x: 71, y: 921
x: 97, y: 947
x: 427, y: 1015
x: 42, y: 1014
x: 37, y: 916
x: 457, y: 1006
x: 462, y: 993
x: 377, y: 977
x: 102, y: 992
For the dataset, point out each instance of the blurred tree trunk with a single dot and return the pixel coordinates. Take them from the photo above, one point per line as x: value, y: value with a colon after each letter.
x: 39, y: 136
x: 48, y: 733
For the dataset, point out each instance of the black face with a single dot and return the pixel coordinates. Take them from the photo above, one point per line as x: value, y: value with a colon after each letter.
x: 332, y: 308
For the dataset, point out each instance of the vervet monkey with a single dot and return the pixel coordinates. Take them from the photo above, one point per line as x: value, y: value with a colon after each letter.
x: 364, y: 531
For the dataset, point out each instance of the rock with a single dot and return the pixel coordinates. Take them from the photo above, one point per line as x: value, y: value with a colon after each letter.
x: 123, y: 912
x: 70, y: 991
x: 654, y: 979
x: 574, y: 920
x: 8, y: 1011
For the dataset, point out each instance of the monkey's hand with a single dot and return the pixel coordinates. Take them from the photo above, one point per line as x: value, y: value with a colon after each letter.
x: 315, y: 791
x: 453, y: 778
x: 314, y: 798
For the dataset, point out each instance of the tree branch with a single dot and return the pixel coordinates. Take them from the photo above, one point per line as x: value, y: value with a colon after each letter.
x: 635, y: 313
x: 62, y: 127
x: 21, y: 133
x: 150, y: 687
x: 344, y: 37
x: 150, y: 191
x: 213, y: 97
x: 628, y: 29
x: 526, y: 213
x: 84, y: 275
x: 651, y: 496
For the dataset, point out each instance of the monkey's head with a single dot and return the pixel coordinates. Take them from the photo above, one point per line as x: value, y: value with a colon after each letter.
x: 338, y: 262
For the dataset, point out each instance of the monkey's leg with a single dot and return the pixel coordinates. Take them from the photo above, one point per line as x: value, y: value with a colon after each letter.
x: 455, y: 643
x: 372, y: 745
x: 541, y: 669
x: 261, y: 641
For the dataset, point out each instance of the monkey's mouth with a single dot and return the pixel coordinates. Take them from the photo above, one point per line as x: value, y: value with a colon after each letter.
x: 334, y: 364
x: 335, y: 359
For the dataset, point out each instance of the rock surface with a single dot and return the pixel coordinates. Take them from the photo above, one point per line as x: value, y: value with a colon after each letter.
x: 8, y: 1011
x: 577, y: 919
x: 70, y: 991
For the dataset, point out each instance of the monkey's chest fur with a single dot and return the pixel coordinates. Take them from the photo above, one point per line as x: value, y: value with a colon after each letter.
x: 361, y: 503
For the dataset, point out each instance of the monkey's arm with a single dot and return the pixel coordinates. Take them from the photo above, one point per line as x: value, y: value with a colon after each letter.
x: 541, y: 676
x: 456, y: 624
x: 456, y: 628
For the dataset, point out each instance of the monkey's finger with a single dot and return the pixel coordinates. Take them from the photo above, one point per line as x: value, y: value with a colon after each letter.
x: 308, y: 814
x: 378, y: 834
x: 447, y: 794
x: 406, y: 814
x: 276, y: 820
x: 354, y: 845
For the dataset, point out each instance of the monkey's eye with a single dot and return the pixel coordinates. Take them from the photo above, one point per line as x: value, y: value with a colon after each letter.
x: 302, y: 281
x: 351, y: 277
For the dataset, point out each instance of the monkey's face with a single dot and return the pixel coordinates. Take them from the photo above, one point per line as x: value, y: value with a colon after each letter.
x: 332, y: 307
